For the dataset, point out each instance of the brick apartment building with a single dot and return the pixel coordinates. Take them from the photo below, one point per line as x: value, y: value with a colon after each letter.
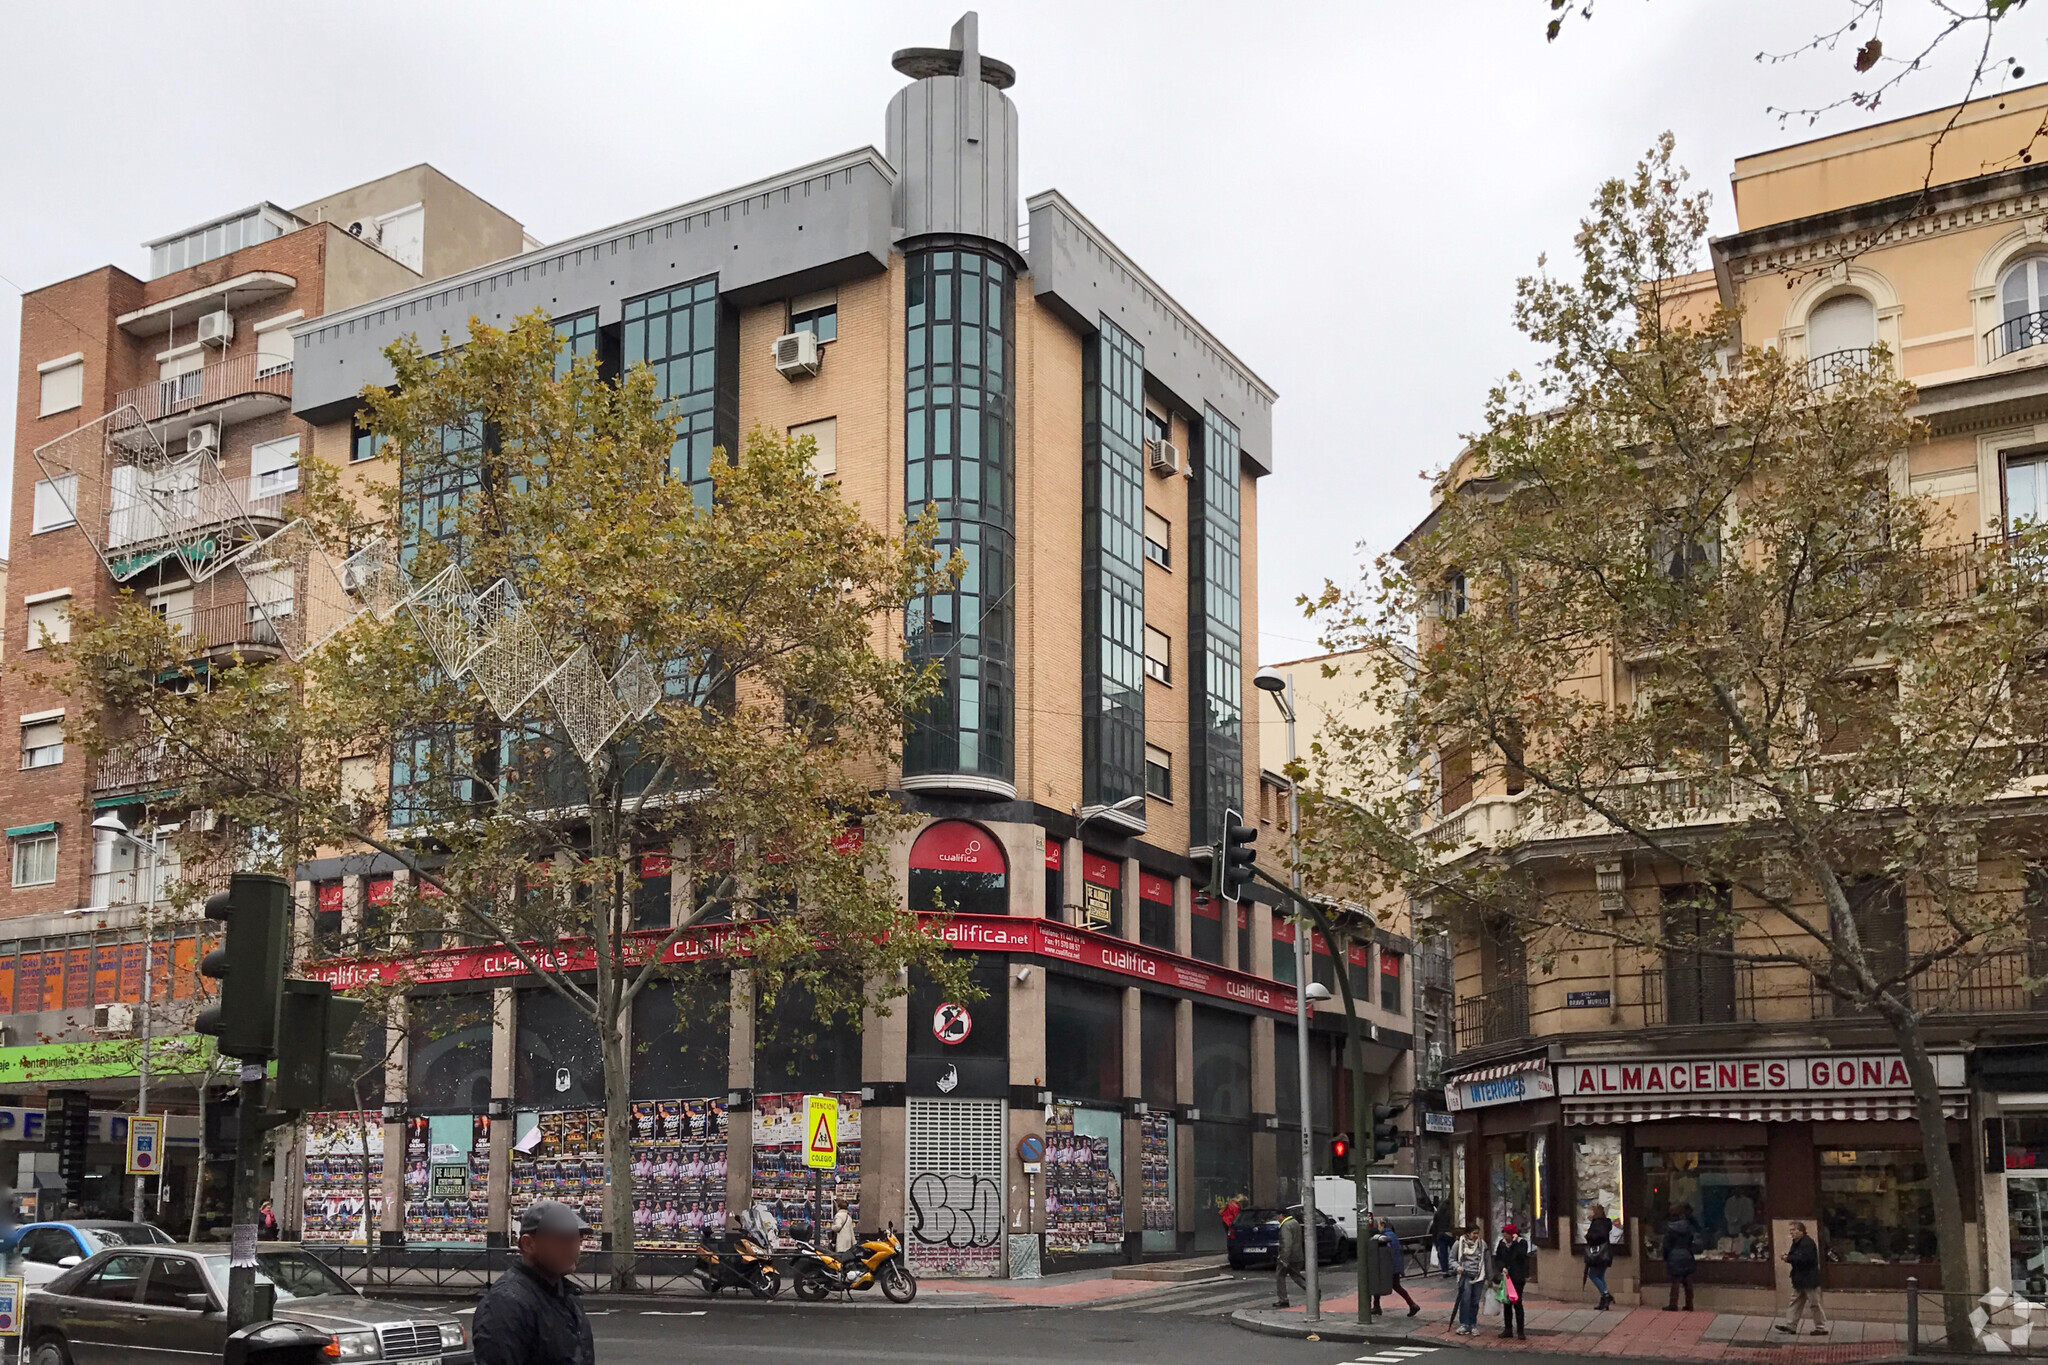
x: 115, y: 369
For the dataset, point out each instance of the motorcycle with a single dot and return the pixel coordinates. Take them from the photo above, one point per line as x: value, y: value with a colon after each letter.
x: 735, y: 1261
x: 879, y: 1260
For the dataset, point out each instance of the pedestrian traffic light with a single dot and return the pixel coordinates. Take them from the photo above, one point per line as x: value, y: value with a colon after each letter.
x: 1237, y: 856
x: 314, y: 1026
x: 249, y: 964
x: 1340, y: 1154
x: 1386, y: 1138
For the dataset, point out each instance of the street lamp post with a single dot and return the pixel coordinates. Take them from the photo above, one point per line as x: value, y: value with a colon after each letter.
x: 111, y: 824
x: 1281, y: 689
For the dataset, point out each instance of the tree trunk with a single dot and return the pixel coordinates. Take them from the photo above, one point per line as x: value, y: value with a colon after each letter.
x: 1956, y: 1297
x: 198, y: 1171
x: 618, y: 1153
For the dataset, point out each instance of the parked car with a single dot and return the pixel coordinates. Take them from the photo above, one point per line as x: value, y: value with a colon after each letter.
x: 40, y: 1252
x: 1255, y: 1236
x: 1402, y: 1201
x: 167, y: 1305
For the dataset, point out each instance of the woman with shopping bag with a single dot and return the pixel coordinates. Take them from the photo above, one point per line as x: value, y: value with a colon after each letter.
x: 1511, y: 1272
x: 1468, y: 1263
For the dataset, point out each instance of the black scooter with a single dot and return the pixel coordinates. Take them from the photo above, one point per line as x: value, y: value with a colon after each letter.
x: 735, y: 1261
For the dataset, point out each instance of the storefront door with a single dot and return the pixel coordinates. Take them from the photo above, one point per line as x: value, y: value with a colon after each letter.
x: 953, y: 1182
x: 2026, y: 1212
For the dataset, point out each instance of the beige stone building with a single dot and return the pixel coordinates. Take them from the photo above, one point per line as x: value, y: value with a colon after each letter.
x: 1644, y: 1084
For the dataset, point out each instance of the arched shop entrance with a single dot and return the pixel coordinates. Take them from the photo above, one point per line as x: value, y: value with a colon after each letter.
x: 960, y: 867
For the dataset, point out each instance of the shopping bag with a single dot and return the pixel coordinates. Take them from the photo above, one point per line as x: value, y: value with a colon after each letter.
x: 1509, y: 1293
x: 1489, y: 1307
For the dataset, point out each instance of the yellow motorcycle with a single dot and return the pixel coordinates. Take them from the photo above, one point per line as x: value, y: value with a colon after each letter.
x: 879, y: 1260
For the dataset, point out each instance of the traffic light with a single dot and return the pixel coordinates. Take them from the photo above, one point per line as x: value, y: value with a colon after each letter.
x: 1386, y: 1138
x: 1236, y: 855
x: 249, y: 964
x: 1340, y: 1154
x: 314, y: 1025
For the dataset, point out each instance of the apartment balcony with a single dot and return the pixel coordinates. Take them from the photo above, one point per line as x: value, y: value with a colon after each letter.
x: 1825, y: 371
x: 2003, y: 983
x: 134, y: 773
x: 226, y: 392
x: 1500, y: 1015
x: 2016, y: 334
x: 229, y: 628
x: 180, y: 505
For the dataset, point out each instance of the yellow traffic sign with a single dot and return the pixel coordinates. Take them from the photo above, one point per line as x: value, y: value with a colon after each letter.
x: 821, y: 1128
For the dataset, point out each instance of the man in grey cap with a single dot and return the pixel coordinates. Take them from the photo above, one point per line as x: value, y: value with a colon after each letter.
x: 534, y: 1315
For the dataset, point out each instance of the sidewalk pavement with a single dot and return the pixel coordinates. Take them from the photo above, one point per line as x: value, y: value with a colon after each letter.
x: 1072, y: 1288
x: 1575, y: 1329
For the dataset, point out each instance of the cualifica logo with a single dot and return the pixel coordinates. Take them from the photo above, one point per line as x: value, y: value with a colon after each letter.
x: 970, y: 852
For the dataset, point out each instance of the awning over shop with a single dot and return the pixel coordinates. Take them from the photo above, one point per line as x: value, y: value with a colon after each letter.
x: 1503, y: 1070
x: 181, y: 1055
x: 1776, y: 1109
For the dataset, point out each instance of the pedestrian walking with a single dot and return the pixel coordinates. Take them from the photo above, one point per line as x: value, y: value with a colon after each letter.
x: 1383, y: 1229
x: 1804, y: 1258
x: 1228, y: 1213
x: 843, y: 1235
x: 266, y: 1222
x: 534, y: 1315
x: 1600, y: 1254
x: 1468, y: 1259
x: 1440, y: 1233
x: 1511, y: 1267
x: 1680, y: 1251
x: 1287, y: 1259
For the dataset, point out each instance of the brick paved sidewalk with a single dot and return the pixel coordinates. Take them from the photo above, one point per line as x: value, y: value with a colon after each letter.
x: 1574, y: 1329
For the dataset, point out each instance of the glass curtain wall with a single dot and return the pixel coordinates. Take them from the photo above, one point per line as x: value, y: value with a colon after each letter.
x: 1216, y: 721
x: 1112, y: 567
x: 960, y: 405
x: 675, y: 334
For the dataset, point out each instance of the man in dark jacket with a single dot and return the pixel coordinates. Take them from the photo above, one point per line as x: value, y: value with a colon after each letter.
x: 1681, y: 1243
x: 1804, y: 1258
x: 533, y: 1314
x: 1287, y: 1258
x: 1440, y: 1232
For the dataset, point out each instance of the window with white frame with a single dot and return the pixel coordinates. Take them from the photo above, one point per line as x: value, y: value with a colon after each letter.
x: 274, y: 467
x: 1158, y: 772
x: 35, y: 858
x: 42, y: 740
x: 825, y: 434
x: 1158, y: 654
x: 270, y: 592
x: 1846, y: 322
x: 181, y: 376
x: 273, y: 350
x: 55, y: 499
x: 49, y: 614
x: 1158, y: 539
x: 63, y: 384
x: 2026, y: 490
x: 2023, y: 290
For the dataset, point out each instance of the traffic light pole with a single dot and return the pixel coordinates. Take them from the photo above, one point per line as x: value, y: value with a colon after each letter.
x: 248, y: 1199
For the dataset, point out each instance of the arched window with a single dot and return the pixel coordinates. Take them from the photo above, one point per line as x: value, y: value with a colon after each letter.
x: 1846, y: 322
x: 961, y: 867
x: 2022, y: 306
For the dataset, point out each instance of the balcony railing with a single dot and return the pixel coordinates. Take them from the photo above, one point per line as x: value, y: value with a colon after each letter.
x: 1825, y: 371
x: 229, y: 625
x: 1498, y: 1016
x: 184, y: 500
x: 2016, y: 334
x: 242, y: 377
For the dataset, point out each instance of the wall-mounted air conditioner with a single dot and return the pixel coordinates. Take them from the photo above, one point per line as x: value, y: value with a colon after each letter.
x: 1165, y: 457
x: 115, y: 1019
x: 217, y: 329
x: 796, y: 354
x: 203, y: 439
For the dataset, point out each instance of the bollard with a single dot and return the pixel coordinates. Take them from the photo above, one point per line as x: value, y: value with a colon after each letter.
x: 1912, y: 1315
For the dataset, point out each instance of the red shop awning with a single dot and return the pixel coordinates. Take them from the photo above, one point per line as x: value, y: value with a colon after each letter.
x: 956, y: 846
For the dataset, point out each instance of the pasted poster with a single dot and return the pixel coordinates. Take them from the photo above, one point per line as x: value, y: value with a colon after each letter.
x: 334, y: 1176
x: 678, y: 1171
x: 1155, y: 1133
x: 447, y: 1179
x: 562, y: 1157
x: 1084, y: 1198
x: 783, y: 1179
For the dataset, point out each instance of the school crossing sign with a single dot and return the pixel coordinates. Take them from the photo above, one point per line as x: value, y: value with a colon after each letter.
x: 821, y: 1132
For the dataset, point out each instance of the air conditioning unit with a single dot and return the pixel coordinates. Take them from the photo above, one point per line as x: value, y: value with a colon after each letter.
x: 203, y: 439
x: 796, y: 353
x: 113, y: 1018
x: 1165, y: 456
x: 217, y: 328
x: 355, y: 577
x: 355, y: 229
x: 206, y: 819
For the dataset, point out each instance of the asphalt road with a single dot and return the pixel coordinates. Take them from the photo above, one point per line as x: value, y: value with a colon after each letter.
x: 1179, y: 1325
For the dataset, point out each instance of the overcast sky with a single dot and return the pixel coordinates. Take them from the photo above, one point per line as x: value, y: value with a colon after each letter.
x: 1345, y: 194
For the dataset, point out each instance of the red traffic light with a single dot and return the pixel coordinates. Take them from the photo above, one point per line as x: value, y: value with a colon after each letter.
x: 1340, y: 1147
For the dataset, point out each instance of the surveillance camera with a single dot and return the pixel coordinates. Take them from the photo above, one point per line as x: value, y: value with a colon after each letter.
x: 1023, y: 975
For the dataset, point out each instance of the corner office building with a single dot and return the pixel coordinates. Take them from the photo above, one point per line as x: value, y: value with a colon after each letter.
x: 1094, y: 453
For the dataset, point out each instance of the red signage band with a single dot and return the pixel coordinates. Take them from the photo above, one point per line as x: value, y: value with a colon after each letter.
x: 330, y: 897
x: 1206, y: 908
x: 1283, y: 929
x: 1390, y: 963
x: 956, y: 846
x: 1052, y: 855
x: 1360, y: 954
x: 1155, y: 888
x: 656, y: 865
x: 1102, y: 869
x: 971, y: 933
x: 378, y: 892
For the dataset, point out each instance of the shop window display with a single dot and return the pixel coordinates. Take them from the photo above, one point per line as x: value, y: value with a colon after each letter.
x: 338, y: 1146
x: 2026, y: 1202
x: 1511, y: 1185
x: 1876, y: 1206
x: 782, y: 1177
x: 1724, y: 1190
x: 1596, y: 1162
x: 1084, y: 1200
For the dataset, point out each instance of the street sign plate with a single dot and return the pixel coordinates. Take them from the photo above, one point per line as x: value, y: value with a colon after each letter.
x: 1030, y: 1148
x: 821, y: 1132
x: 145, y: 1145
x: 10, y: 1307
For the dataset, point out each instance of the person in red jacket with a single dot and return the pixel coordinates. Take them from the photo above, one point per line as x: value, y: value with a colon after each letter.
x: 1228, y: 1213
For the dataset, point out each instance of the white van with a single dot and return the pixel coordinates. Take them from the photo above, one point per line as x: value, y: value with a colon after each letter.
x: 1338, y: 1197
